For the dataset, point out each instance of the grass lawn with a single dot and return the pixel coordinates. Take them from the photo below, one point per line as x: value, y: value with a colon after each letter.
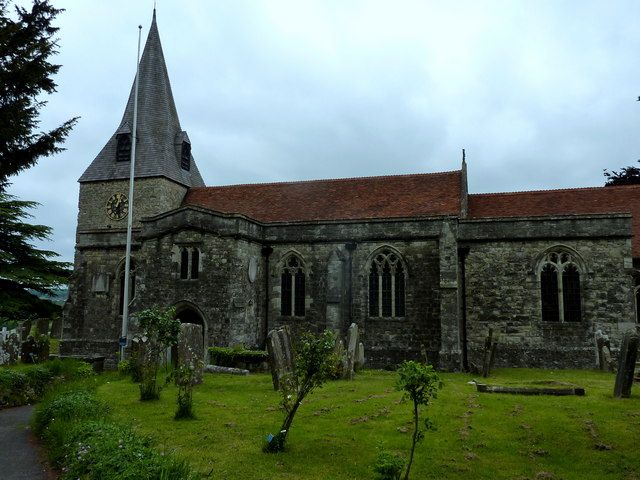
x: 337, y: 430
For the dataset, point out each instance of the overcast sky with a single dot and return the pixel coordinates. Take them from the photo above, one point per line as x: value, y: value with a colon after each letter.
x: 540, y: 93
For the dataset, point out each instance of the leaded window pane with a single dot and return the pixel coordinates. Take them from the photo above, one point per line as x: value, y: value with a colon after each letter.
x: 373, y: 292
x: 195, y: 263
x: 386, y: 291
x: 184, y: 264
x: 299, y: 300
x: 549, y: 294
x: 285, y: 294
x: 571, y: 294
x: 399, y: 293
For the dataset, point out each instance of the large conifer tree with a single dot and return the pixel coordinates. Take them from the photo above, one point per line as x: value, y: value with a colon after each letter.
x: 26, y: 43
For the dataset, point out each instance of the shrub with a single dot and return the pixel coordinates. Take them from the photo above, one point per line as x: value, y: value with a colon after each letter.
x: 185, y: 379
x: 314, y: 364
x: 84, y: 443
x: 29, y: 384
x: 233, y: 357
x: 388, y: 465
x: 68, y: 406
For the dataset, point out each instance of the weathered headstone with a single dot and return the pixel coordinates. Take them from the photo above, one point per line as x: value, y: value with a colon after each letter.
x: 191, y: 349
x: 42, y: 326
x: 34, y: 351
x: 25, y: 330
x: 280, y: 355
x: 423, y: 354
x: 349, y: 361
x: 602, y: 342
x: 359, y: 357
x: 56, y: 328
x: 4, y: 334
x: 10, y: 350
x: 626, y: 365
x: 489, y: 354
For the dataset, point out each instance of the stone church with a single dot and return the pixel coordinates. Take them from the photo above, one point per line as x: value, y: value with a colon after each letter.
x: 416, y: 261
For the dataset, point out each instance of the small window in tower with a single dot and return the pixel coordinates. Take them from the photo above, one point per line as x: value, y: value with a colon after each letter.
x: 123, y: 148
x: 185, y: 157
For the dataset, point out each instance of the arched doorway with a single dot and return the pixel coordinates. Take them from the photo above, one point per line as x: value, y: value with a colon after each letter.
x: 188, y: 313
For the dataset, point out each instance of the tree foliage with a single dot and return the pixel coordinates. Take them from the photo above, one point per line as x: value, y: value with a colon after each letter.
x: 314, y: 363
x: 626, y: 176
x: 159, y: 330
x: 420, y: 384
x: 23, y: 267
x: 26, y: 43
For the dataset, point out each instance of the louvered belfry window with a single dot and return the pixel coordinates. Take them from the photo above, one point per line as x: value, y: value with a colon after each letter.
x: 386, y: 286
x: 292, y: 291
x: 560, y: 289
x: 185, y: 156
x: 123, y: 147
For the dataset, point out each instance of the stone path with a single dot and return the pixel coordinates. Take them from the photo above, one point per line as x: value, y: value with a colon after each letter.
x: 20, y: 455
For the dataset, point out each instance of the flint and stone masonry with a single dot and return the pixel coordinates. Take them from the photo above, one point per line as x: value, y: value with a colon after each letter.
x: 456, y: 264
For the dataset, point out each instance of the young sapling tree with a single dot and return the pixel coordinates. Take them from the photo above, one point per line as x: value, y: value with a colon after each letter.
x: 419, y: 383
x: 314, y: 363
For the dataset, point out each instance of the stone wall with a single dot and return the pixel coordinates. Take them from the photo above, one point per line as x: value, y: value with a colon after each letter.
x: 152, y: 196
x: 503, y: 293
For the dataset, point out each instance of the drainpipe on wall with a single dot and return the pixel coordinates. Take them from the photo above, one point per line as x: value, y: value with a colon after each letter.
x: 462, y: 256
x: 350, y: 247
x: 266, y: 253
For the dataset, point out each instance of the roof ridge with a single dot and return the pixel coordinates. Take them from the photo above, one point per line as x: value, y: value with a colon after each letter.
x: 319, y: 180
x: 555, y: 190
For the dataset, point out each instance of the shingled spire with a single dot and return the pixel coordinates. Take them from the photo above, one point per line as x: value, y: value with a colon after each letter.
x: 163, y: 148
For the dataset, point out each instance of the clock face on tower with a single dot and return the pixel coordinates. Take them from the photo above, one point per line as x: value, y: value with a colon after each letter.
x: 117, y: 206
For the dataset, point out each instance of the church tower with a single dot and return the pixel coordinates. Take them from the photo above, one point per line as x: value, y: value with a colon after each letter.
x: 164, y: 171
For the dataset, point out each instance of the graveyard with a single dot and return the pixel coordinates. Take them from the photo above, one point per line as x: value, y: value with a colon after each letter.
x: 339, y: 428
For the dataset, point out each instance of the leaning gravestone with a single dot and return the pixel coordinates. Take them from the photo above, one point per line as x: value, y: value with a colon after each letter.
x: 10, y: 350
x: 42, y: 326
x: 626, y: 365
x: 489, y: 354
x: 191, y: 349
x: 280, y: 355
x: 56, y: 328
x: 349, y: 361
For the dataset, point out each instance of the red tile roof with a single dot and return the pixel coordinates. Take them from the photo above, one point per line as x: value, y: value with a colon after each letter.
x: 577, y: 201
x: 396, y: 196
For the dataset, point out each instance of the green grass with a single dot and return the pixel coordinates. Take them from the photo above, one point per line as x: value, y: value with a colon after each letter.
x: 337, y: 430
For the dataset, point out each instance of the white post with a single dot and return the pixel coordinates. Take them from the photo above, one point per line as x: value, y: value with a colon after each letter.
x: 127, y: 261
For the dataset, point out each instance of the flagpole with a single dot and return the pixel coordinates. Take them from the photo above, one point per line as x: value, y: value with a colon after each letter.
x: 127, y: 261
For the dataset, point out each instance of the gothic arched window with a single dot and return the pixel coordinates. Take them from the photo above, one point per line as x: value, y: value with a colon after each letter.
x: 292, y: 287
x: 189, y: 263
x: 560, y: 291
x: 386, y: 285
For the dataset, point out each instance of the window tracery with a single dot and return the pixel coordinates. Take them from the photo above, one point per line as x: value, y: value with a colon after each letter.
x: 386, y: 285
x: 560, y: 289
x: 292, y: 293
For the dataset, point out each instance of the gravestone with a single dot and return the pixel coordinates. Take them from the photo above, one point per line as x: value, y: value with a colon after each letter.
x: 626, y: 365
x: 10, y: 350
x: 602, y: 344
x: 349, y: 361
x: 56, y: 328
x: 4, y: 334
x: 280, y: 355
x: 25, y: 330
x: 191, y: 349
x: 42, y: 326
x: 359, y: 357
